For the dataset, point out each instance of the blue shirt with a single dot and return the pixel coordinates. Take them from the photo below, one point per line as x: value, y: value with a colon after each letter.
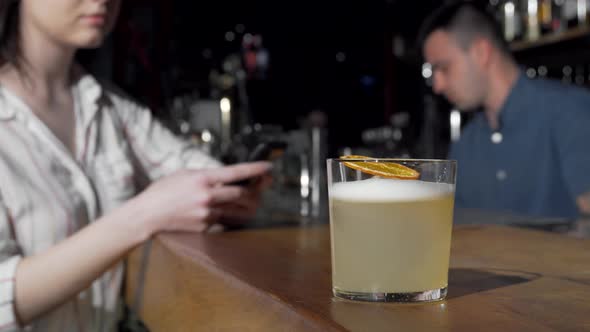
x: 542, y: 162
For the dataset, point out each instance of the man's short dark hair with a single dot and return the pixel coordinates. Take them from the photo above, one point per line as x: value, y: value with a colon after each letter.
x: 466, y: 21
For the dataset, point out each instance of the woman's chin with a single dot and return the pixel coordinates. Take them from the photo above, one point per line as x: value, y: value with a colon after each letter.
x: 90, y: 43
x: 88, y: 39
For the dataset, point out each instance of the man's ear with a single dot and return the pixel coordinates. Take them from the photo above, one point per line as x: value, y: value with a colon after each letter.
x: 481, y: 51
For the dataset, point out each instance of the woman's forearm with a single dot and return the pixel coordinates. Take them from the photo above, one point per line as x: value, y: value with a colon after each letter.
x: 45, y: 280
x: 185, y: 201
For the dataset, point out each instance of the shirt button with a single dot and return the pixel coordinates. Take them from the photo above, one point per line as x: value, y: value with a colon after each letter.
x: 497, y: 138
x: 501, y: 175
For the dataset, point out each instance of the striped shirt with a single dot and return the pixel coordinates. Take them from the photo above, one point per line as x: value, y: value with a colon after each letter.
x: 47, y: 193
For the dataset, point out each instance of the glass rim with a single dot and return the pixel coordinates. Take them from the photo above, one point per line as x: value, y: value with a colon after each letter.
x: 453, y: 161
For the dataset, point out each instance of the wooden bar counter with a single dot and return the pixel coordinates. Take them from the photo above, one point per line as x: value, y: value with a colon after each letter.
x: 278, y: 279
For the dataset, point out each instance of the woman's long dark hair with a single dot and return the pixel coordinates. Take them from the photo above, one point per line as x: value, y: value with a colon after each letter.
x: 9, y: 48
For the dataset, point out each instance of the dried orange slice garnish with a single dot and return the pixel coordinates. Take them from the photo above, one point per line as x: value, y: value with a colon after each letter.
x: 383, y: 169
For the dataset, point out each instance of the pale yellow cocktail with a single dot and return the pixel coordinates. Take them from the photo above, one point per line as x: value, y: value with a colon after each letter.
x: 390, y: 236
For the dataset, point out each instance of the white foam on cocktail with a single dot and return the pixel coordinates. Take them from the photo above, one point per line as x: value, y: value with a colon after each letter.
x: 379, y: 189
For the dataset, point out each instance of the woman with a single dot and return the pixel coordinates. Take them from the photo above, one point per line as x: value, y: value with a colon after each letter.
x: 71, y: 153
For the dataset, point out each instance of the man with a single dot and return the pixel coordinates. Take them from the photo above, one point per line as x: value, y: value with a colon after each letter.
x: 525, y: 152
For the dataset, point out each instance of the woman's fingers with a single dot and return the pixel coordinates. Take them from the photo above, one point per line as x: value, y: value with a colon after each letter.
x: 234, y: 173
x: 225, y: 194
x: 264, y: 182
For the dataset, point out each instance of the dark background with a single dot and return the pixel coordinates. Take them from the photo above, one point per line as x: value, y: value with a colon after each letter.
x: 161, y: 49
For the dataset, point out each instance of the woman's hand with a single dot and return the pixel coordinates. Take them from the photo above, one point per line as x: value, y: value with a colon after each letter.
x: 191, y: 200
x: 238, y: 212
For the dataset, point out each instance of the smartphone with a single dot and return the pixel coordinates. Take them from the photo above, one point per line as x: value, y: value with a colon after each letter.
x: 265, y: 151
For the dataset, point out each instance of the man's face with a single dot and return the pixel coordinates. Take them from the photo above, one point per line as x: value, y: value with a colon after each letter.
x: 455, y: 73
